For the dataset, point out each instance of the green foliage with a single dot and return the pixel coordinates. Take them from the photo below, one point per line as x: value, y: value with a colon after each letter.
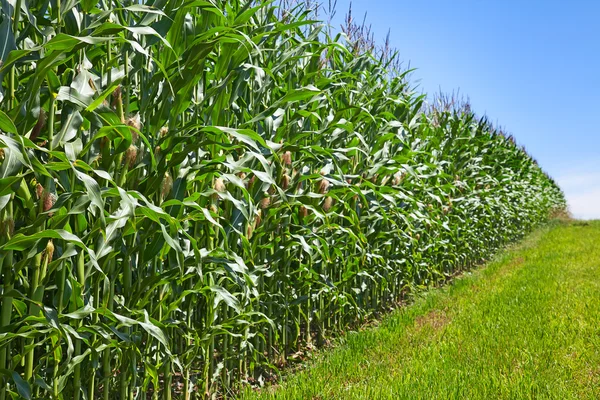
x: 193, y: 190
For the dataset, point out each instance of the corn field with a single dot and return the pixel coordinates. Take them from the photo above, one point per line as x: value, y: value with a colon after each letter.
x: 192, y: 191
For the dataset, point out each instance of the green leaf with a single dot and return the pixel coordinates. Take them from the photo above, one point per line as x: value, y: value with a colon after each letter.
x: 148, y: 326
x: 173, y: 243
x: 7, y: 183
x: 71, y: 95
x: 23, y: 387
x: 147, y: 30
x: 107, y: 92
x: 93, y: 189
x: 144, y: 9
x: 88, y: 5
x: 71, y: 123
x: 300, y: 94
x: 62, y: 41
x: 247, y: 136
x: 6, y: 123
x: 223, y: 295
x: 17, y: 154
x: 22, y: 242
x: 80, y: 313
x: 7, y: 47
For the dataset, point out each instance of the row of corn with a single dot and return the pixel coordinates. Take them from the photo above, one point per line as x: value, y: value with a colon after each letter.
x: 194, y: 192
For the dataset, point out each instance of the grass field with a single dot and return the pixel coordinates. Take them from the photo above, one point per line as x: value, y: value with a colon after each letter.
x: 527, y: 325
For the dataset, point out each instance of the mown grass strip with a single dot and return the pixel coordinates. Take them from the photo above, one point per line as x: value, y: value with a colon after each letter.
x: 524, y: 326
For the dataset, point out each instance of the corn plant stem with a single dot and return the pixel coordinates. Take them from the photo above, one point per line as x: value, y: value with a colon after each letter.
x: 126, y: 84
x: 108, y: 63
x: 123, y: 384
x: 77, y: 370
x: 188, y: 340
x: 119, y: 108
x: 106, y: 367
x: 127, y: 277
x: 208, y: 348
x: 132, y: 391
x: 95, y: 319
x: 37, y: 293
x: 309, y: 309
x: 168, y: 379
x: 13, y: 69
x: 270, y: 333
x: 7, y: 301
x: 60, y: 294
x: 227, y: 345
x: 154, y: 271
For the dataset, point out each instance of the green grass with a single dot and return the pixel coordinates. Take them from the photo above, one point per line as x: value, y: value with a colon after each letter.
x: 527, y: 325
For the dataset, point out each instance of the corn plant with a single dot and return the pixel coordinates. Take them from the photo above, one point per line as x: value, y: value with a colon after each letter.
x: 192, y: 191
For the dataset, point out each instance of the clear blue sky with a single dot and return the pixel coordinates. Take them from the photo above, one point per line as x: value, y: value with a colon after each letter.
x: 532, y: 65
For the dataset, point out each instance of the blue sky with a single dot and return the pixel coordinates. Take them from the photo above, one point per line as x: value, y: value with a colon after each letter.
x: 533, y: 66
